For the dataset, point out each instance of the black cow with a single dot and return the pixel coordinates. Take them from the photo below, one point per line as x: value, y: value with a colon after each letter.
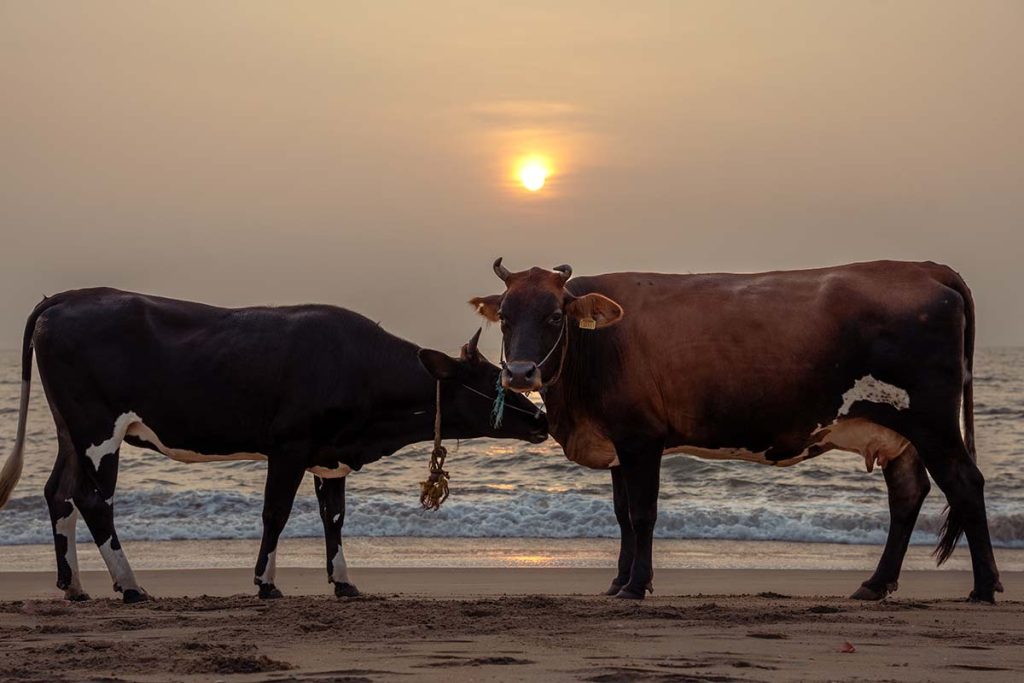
x: 774, y: 368
x: 308, y: 388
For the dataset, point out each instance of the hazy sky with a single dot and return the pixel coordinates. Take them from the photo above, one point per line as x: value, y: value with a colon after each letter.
x: 360, y: 153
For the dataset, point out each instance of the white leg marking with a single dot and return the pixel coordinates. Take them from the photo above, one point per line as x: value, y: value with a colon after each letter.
x: 868, y: 388
x: 270, y: 573
x: 65, y: 526
x: 121, y: 425
x: 337, y: 517
x: 339, y: 569
x: 117, y: 565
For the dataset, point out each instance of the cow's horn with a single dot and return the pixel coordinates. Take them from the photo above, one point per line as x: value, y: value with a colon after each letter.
x: 565, y: 269
x: 501, y: 271
x: 469, y: 350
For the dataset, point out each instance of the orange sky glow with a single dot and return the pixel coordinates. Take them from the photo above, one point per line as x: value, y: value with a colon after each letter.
x: 363, y: 153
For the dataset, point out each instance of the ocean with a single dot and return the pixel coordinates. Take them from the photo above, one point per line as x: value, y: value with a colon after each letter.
x: 505, y: 493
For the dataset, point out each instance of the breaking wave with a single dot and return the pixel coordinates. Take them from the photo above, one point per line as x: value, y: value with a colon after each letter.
x: 151, y: 515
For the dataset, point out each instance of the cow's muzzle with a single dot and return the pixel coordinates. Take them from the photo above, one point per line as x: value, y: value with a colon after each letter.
x: 521, y: 376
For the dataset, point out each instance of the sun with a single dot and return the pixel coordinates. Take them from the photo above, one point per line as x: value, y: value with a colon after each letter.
x: 533, y: 173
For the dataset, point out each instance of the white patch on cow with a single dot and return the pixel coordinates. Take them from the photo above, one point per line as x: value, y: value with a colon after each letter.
x: 868, y: 388
x: 140, y: 430
x: 270, y: 571
x: 97, y: 452
x: 337, y: 472
x: 65, y: 527
x: 117, y: 564
x: 337, y: 517
x: 339, y: 568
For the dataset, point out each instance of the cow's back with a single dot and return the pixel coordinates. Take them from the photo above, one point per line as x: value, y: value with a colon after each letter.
x: 200, y: 369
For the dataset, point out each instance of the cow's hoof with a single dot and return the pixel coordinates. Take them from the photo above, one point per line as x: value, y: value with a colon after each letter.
x: 627, y: 594
x: 614, y: 588
x: 866, y: 592
x: 982, y: 596
x: 131, y: 596
x: 78, y: 596
x: 345, y: 590
x: 269, y: 591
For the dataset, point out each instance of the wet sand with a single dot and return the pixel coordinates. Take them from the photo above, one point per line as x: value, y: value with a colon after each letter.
x: 511, y: 624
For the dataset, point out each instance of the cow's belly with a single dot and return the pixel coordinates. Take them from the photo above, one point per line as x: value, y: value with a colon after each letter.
x: 875, y: 443
x: 337, y: 472
x: 141, y: 431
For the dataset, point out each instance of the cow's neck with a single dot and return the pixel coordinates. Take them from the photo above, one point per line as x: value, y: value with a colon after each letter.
x: 403, y: 392
x: 582, y: 389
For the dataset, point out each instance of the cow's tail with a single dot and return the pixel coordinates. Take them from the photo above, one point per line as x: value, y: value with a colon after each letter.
x: 968, y: 396
x: 953, y: 526
x: 11, y: 472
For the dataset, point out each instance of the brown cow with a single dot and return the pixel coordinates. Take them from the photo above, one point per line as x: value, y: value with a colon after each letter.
x: 774, y: 368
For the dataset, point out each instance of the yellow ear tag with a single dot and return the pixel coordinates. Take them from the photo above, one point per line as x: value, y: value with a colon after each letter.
x: 588, y: 324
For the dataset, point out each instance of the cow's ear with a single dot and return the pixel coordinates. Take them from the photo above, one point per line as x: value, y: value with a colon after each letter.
x: 439, y: 365
x: 487, y: 306
x: 594, y: 311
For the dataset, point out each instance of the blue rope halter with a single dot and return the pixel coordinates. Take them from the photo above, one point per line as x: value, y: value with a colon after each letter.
x: 498, y: 410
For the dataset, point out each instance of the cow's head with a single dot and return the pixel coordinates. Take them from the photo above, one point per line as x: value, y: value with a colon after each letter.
x: 468, y: 389
x: 536, y: 312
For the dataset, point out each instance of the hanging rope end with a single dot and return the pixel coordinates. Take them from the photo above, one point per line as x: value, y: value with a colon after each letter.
x: 434, y: 490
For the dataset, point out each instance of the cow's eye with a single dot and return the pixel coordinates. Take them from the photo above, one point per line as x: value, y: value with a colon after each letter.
x: 556, y: 318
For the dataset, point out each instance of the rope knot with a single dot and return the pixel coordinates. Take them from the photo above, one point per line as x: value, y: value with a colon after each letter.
x: 434, y: 490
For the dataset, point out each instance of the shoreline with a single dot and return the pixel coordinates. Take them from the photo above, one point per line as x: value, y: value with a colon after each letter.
x: 410, y: 552
x: 465, y: 583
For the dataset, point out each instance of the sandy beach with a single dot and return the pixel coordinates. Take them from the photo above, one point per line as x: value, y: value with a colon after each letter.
x: 511, y: 624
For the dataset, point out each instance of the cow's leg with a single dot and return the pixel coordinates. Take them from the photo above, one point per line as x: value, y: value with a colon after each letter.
x: 952, y: 468
x: 63, y: 518
x: 284, y: 475
x: 908, y: 485
x: 94, y: 498
x: 627, y: 541
x: 641, y: 471
x: 331, y: 495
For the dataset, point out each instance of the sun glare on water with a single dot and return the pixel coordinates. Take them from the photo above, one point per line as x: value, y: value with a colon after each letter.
x: 533, y: 173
